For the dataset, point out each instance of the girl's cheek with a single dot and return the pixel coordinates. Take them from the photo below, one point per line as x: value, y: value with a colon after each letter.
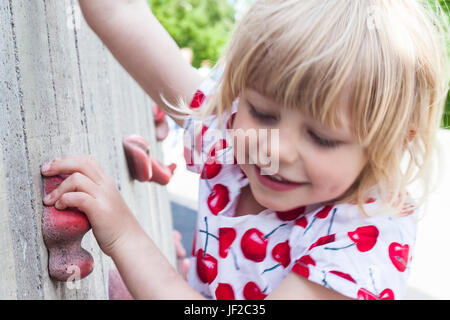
x: 325, y: 177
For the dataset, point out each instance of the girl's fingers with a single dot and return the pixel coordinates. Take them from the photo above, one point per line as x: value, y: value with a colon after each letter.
x: 85, y: 164
x: 80, y: 200
x: 77, y: 182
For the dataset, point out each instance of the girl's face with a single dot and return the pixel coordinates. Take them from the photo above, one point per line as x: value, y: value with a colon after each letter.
x: 323, y: 162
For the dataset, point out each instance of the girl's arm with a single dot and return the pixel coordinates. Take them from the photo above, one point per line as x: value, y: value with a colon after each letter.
x: 144, y: 48
x: 146, y: 271
x: 295, y: 287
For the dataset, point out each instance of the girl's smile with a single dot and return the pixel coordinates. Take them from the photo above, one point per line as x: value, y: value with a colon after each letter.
x: 273, y: 183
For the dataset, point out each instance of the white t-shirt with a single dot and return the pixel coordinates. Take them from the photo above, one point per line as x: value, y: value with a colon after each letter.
x: 246, y: 257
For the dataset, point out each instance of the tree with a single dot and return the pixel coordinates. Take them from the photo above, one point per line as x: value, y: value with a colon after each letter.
x: 203, y: 26
x: 206, y: 26
x: 445, y: 5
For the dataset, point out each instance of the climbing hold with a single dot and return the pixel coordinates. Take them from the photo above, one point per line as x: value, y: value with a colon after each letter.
x: 137, y: 152
x: 142, y: 165
x: 161, y: 173
x: 161, y: 124
x: 62, y: 232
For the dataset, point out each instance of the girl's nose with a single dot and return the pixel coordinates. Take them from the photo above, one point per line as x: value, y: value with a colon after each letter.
x: 282, y: 147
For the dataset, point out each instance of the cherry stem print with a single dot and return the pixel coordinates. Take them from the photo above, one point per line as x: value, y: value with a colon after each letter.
x: 207, y: 234
x: 236, y: 266
x: 322, y: 214
x: 324, y: 280
x: 273, y: 231
x: 254, y: 243
x: 364, y: 294
x: 272, y: 268
x: 217, y: 238
x: 350, y: 245
x: 373, y: 281
x: 281, y: 253
x: 364, y: 238
x: 331, y: 221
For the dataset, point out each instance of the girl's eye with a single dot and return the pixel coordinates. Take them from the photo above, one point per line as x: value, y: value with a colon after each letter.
x: 265, y: 118
x: 324, y: 142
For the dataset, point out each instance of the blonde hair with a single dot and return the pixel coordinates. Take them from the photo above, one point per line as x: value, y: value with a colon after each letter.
x: 392, y: 53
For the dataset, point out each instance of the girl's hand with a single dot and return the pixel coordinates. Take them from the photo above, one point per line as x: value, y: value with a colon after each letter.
x: 90, y: 190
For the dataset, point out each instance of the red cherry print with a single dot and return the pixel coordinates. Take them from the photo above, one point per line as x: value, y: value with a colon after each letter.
x: 301, y: 222
x: 253, y: 292
x: 343, y: 275
x: 323, y: 240
x: 364, y: 294
x: 370, y: 200
x: 219, y: 145
x: 210, y: 170
x: 218, y: 199
x: 254, y: 245
x: 194, y: 243
x: 226, y: 238
x: 364, y: 237
x: 224, y: 291
x: 291, y: 214
x: 199, y: 139
x: 386, y: 294
x: 323, y: 213
x: 399, y: 255
x: 212, y: 167
x: 206, y: 267
x: 198, y: 99
x: 301, y: 266
x: 282, y: 253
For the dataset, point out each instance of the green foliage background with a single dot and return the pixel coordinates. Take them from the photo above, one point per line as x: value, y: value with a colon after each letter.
x: 445, y: 4
x: 205, y: 26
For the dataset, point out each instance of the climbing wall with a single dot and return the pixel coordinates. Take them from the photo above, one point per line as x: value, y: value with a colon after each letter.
x: 62, y: 94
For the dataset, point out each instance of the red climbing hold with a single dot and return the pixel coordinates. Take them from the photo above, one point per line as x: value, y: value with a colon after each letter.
x: 62, y: 232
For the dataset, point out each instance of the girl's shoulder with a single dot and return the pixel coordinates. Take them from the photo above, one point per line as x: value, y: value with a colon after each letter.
x: 364, y: 256
x: 203, y: 133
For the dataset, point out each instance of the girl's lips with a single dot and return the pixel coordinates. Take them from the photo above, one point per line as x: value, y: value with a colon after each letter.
x: 275, y: 185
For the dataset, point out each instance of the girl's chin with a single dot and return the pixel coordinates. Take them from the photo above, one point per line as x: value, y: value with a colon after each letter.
x: 270, y: 200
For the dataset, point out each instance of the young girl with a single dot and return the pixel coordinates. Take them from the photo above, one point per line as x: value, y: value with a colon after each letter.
x: 348, y: 88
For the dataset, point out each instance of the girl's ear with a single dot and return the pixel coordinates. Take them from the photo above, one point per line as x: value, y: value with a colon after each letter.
x: 411, y: 135
x: 412, y: 132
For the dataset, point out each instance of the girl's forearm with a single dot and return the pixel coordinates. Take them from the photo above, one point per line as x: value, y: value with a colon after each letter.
x: 147, y: 273
x: 99, y: 7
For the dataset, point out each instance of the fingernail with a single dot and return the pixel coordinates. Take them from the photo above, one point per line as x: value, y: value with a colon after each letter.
x: 48, y: 197
x: 46, y: 167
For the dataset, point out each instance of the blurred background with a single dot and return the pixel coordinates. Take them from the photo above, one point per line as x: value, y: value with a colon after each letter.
x: 202, y: 28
